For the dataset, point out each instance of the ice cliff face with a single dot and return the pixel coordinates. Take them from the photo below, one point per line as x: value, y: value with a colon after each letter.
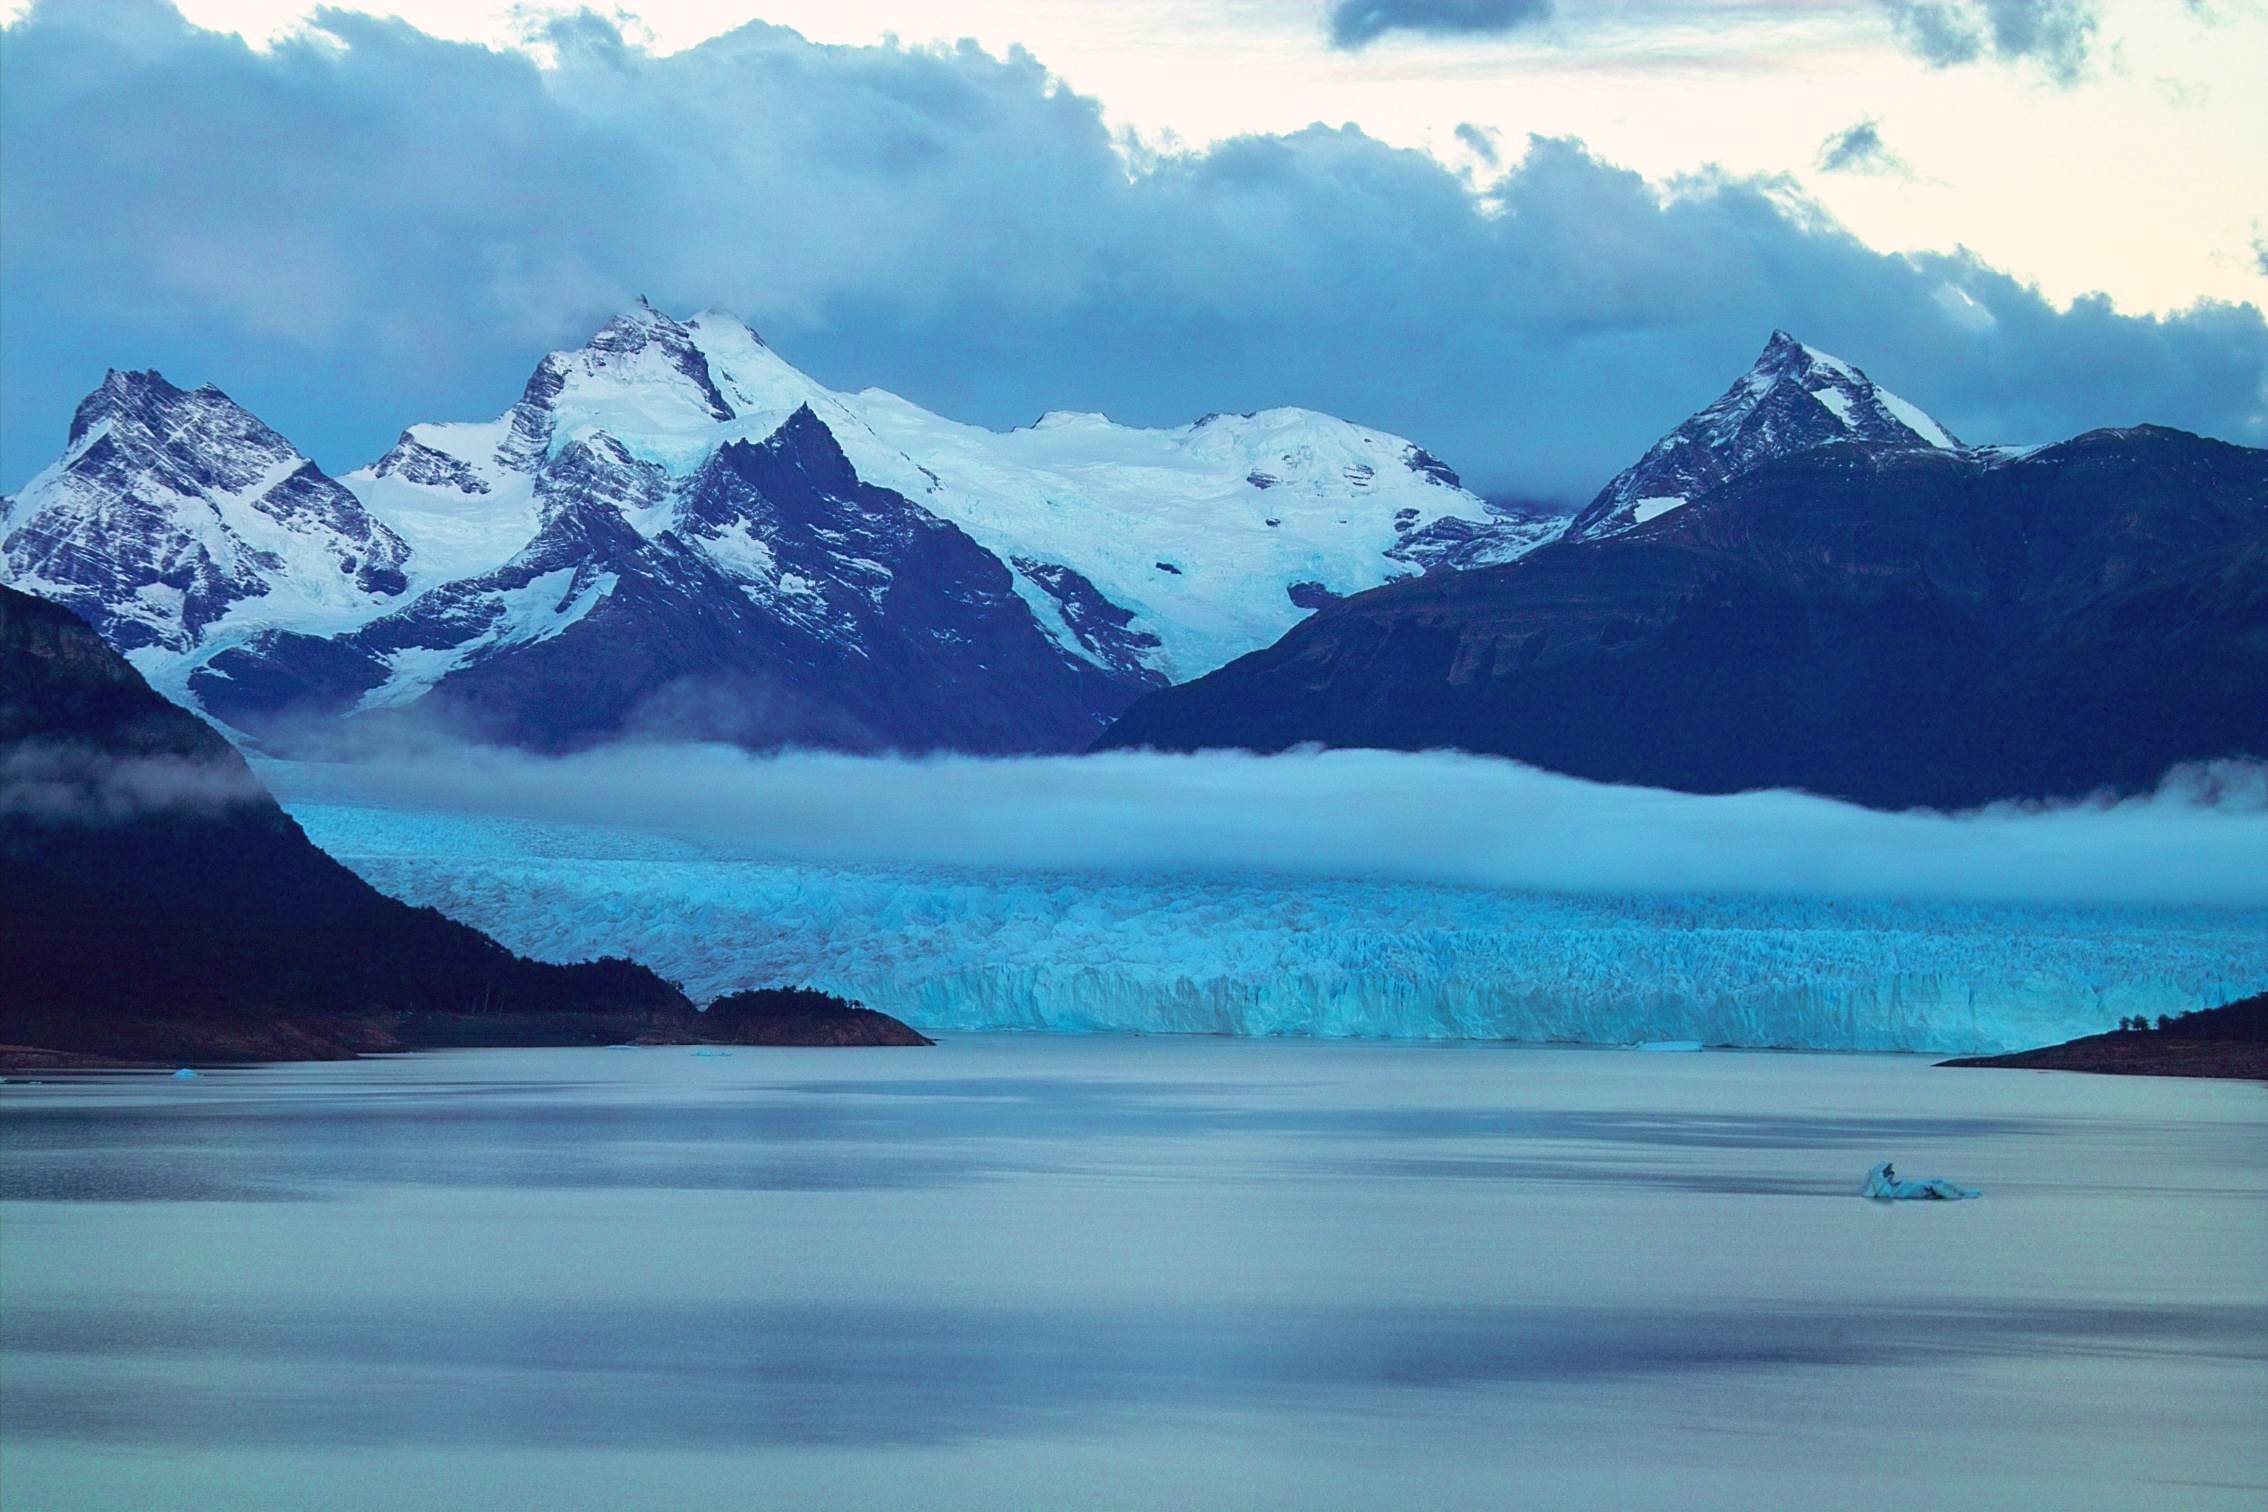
x: 172, y: 514
x: 1793, y: 400
x: 615, y: 509
x: 988, y: 949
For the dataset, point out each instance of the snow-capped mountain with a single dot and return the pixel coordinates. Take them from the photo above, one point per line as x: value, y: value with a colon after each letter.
x: 1794, y: 399
x: 169, y: 511
x: 675, y: 527
x: 1210, y: 539
x: 770, y: 598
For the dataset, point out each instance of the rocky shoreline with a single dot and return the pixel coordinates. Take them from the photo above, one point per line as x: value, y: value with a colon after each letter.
x: 2129, y: 1054
x: 815, y: 1019
x: 2229, y: 1043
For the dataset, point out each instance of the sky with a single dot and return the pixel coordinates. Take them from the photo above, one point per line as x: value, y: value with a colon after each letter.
x: 1530, y: 234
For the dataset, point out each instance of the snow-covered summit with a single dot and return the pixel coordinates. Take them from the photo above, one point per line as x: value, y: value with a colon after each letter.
x: 171, y: 512
x: 1213, y: 537
x: 673, y: 502
x: 1793, y: 399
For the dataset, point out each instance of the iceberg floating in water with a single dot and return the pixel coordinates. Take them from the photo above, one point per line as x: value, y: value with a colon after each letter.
x: 961, y: 948
x: 1883, y: 1185
x: 184, y: 1074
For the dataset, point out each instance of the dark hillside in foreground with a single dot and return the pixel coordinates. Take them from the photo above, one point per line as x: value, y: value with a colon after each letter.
x: 160, y: 905
x: 2230, y: 1041
x: 800, y: 1016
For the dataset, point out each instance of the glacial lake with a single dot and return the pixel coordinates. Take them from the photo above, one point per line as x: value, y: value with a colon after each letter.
x: 1057, y: 1272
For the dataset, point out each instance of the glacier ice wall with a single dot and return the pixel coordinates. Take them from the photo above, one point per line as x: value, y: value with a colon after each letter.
x: 990, y: 948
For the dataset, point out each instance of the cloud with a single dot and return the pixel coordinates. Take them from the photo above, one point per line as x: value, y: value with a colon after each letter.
x: 53, y: 782
x: 2055, y: 34
x: 1480, y: 141
x: 1356, y: 23
x: 1433, y: 817
x: 364, y: 226
x: 1859, y: 149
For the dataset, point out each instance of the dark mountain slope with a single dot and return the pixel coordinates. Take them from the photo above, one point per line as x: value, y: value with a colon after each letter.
x: 160, y: 905
x: 1895, y: 625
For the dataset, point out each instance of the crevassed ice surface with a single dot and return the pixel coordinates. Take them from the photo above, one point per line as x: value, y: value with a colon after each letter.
x: 967, y: 948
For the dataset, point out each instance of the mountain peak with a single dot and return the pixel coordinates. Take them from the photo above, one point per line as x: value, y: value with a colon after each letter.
x: 804, y: 442
x: 168, y: 508
x: 1792, y: 399
x: 640, y: 359
x: 637, y: 316
x: 122, y: 394
x: 1785, y: 356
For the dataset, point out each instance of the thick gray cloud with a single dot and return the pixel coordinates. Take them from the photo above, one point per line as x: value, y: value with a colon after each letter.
x: 1859, y: 149
x: 2055, y: 34
x: 357, y: 230
x: 1361, y: 814
x: 1354, y: 23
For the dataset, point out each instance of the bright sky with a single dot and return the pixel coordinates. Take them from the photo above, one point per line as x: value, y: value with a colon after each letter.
x: 2146, y: 180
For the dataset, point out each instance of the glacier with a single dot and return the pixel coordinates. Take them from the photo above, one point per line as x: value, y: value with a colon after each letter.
x: 990, y: 947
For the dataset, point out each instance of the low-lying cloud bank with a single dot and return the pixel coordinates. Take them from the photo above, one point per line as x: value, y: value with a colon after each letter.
x: 2202, y: 839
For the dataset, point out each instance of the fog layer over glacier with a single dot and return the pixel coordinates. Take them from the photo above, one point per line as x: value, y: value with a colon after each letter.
x: 1339, y: 894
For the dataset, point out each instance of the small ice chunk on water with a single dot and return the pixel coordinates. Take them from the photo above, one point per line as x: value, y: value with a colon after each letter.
x: 711, y: 1054
x: 1883, y: 1185
x: 184, y: 1074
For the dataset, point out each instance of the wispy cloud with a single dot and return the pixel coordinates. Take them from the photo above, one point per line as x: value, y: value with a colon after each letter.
x: 1480, y: 142
x: 1859, y: 148
x: 64, y: 783
x: 2057, y: 35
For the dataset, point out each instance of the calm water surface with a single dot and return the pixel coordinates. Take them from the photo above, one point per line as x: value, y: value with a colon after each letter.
x: 1056, y: 1273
